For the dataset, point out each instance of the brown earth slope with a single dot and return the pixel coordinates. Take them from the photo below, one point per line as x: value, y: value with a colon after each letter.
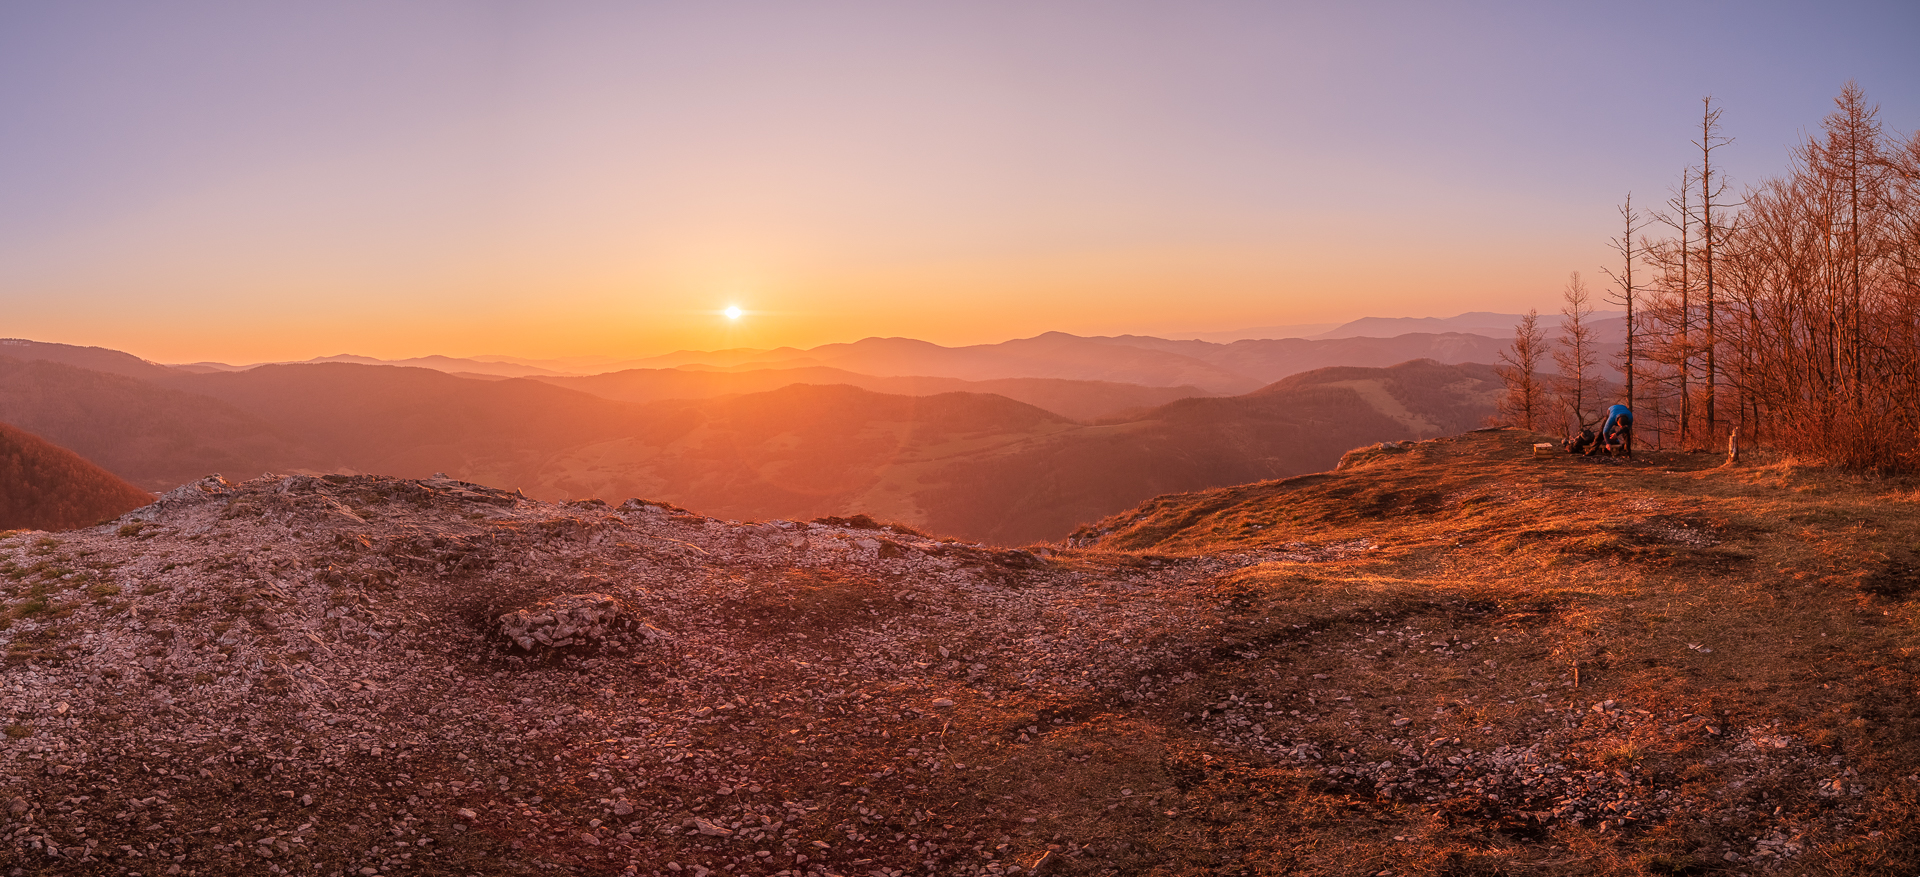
x: 1448, y: 658
x: 46, y: 487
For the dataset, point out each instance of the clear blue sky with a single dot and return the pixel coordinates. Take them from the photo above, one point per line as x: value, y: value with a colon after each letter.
x: 252, y: 181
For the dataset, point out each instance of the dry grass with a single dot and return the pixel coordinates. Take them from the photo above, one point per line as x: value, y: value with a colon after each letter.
x: 1720, y: 614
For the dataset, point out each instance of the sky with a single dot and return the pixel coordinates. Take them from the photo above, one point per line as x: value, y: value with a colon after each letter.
x: 244, y: 182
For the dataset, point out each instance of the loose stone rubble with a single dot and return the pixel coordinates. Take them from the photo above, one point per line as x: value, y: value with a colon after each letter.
x: 365, y: 675
x: 566, y: 621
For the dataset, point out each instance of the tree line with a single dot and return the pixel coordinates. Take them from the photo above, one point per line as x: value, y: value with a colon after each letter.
x: 1790, y: 313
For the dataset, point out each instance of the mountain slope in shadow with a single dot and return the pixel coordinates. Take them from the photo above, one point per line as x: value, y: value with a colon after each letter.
x: 46, y: 487
x: 798, y: 452
x: 1303, y: 424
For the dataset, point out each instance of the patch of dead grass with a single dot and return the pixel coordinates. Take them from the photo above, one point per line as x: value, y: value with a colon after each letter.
x: 1730, y: 604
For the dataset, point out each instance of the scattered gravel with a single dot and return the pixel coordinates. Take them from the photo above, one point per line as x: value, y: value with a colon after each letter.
x: 367, y: 675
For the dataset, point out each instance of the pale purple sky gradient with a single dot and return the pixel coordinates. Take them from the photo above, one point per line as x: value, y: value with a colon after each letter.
x: 251, y: 181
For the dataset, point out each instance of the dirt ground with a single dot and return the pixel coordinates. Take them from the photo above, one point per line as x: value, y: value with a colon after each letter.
x: 1446, y: 658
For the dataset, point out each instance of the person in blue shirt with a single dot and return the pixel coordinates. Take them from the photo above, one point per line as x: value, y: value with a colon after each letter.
x: 1616, y: 432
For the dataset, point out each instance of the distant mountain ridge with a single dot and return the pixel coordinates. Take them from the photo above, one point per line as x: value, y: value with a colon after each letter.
x: 1226, y: 369
x: 447, y: 364
x: 99, y: 359
x: 1077, y: 400
x: 1217, y: 362
x: 1476, y: 322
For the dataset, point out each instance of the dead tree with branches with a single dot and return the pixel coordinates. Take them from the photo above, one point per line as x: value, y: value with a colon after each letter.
x: 1577, y: 387
x: 1626, y: 293
x: 1525, y: 399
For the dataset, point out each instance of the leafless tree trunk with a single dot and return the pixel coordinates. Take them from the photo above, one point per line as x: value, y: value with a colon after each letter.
x: 1670, y: 320
x: 1711, y: 187
x: 1626, y: 293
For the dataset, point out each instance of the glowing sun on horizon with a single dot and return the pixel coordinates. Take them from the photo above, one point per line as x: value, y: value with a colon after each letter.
x: 733, y: 312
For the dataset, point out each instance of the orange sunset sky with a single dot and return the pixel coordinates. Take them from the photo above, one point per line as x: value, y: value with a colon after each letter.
x: 247, y: 182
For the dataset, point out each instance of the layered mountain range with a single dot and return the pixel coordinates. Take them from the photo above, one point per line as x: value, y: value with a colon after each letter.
x: 1250, y: 357
x: 1013, y: 442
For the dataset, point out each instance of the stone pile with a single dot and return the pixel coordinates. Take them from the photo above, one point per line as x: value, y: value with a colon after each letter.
x: 562, y: 622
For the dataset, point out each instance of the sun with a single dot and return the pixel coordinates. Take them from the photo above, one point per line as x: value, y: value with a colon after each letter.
x: 733, y: 312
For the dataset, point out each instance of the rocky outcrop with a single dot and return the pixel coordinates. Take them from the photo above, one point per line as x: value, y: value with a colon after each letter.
x: 563, y: 622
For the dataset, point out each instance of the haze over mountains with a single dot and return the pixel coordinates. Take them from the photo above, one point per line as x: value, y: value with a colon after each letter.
x: 1492, y: 325
x: 1011, y: 442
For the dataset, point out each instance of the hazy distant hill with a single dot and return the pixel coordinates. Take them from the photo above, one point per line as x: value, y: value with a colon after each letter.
x: 155, y: 437
x: 1238, y: 367
x: 98, y: 359
x: 1273, y: 359
x: 448, y: 364
x: 798, y: 452
x: 1300, y: 425
x: 1477, y: 322
x: 416, y: 421
x: 47, y: 487
x: 1078, y: 400
x: 1211, y: 367
x: 1052, y: 355
x: 989, y: 468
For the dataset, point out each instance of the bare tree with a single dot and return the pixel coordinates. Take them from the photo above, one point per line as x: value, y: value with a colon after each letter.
x: 1711, y: 188
x: 1577, y: 387
x: 1626, y: 293
x: 1822, y: 302
x: 1526, y: 394
x: 1795, y: 310
x: 1672, y: 317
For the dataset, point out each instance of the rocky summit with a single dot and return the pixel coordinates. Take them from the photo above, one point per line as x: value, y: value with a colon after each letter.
x: 1408, y: 666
